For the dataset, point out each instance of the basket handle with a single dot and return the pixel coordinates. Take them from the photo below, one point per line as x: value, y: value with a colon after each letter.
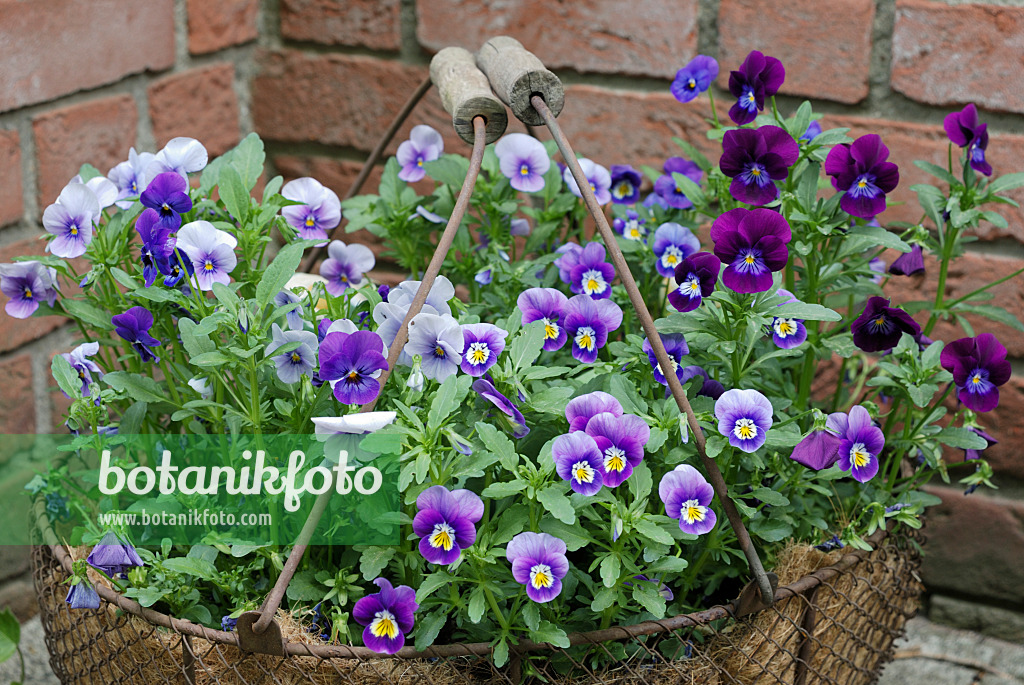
x: 466, y: 94
x: 516, y: 75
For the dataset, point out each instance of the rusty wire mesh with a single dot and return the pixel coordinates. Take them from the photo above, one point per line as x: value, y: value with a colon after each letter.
x: 834, y: 621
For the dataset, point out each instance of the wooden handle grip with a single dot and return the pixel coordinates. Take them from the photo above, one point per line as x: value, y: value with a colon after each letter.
x: 465, y: 94
x: 516, y: 75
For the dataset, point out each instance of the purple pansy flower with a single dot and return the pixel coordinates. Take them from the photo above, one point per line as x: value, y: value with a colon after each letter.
x: 578, y: 460
x: 71, y: 219
x: 444, y: 523
x: 599, y: 178
x: 345, y: 265
x: 620, y: 440
x: 519, y: 227
x: 27, y: 284
x: 439, y: 342
x: 538, y: 562
x: 570, y: 257
x: 755, y: 159
x: 157, y: 244
x: 388, y: 615
x: 424, y: 145
x: 294, y: 317
x: 880, y: 327
x: 687, y: 496
x: 181, y: 155
x: 666, y: 187
x: 909, y: 263
x: 818, y: 450
x: 113, y: 556
x: 82, y: 595
x: 788, y: 333
x: 319, y: 212
x: 134, y: 326
x: 102, y: 187
x: 549, y: 306
x: 483, y: 277
x: 351, y: 362
x: 483, y: 343
x: 711, y: 388
x: 625, y: 188
x: 632, y: 227
x: 79, y: 360
x: 672, y: 244
x: 979, y: 367
x: 211, y: 251
x: 744, y: 416
x: 860, y: 442
x: 695, y: 78
x: 877, y: 267
x: 976, y: 454
x: 588, y: 323
x: 523, y: 160
x: 167, y: 194
x: 592, y: 275
x: 302, y: 360
x: 696, y: 276
x: 752, y: 244
x: 758, y: 77
x: 861, y: 171
x: 812, y: 132
x: 129, y: 176
x: 485, y: 388
x: 441, y: 292
x: 580, y: 410
x: 675, y: 345
x: 964, y: 130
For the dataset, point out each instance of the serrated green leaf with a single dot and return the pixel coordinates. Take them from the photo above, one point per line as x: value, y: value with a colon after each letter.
x: 373, y: 560
x: 477, y: 605
x: 248, y: 158
x: 214, y: 358
x: 88, y: 314
x: 668, y: 565
x: 574, y: 537
x: 936, y: 171
x: 833, y: 136
x: 141, y: 388
x: 693, y: 153
x: 448, y: 169
x: 879, y: 237
x: 604, y: 598
x: 652, y: 531
x: 431, y: 582
x: 194, y: 343
x: 526, y: 347
x: 625, y: 392
x: 1006, y: 182
x: 962, y: 438
x: 648, y: 596
x: 771, y: 530
x: 641, y: 482
x: 511, y: 523
x: 531, y: 615
x: 66, y: 376
x: 304, y: 588
x: 557, y: 504
x: 500, y: 490
x: 551, y: 400
x: 993, y: 312
x: 842, y: 345
x: 233, y: 192
x: 610, y: 569
x: 447, y: 399
x: 769, y: 496
x: 498, y: 444
x: 428, y: 627
x: 278, y: 273
x: 801, y: 120
x: 131, y: 420
x: 550, y: 633
x: 199, y: 568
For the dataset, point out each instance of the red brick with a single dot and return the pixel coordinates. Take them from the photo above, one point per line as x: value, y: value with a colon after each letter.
x: 908, y: 142
x: 63, y: 46
x: 99, y: 132
x: 10, y: 178
x: 213, y: 26
x: 17, y: 406
x: 643, y: 38
x: 944, y: 55
x: 823, y: 58
x: 373, y: 24
x: 199, y: 103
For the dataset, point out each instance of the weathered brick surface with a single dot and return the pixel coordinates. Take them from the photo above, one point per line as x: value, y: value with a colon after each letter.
x: 954, y: 54
x: 213, y: 26
x: 52, y: 48
x: 369, y: 23
x: 824, y: 58
x: 199, y: 103
x: 16, y: 332
x: 646, y: 37
x: 17, y: 411
x: 99, y: 132
x: 10, y: 177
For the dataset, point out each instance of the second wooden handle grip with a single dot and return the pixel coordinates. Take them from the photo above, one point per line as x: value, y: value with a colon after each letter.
x: 516, y: 75
x: 465, y: 94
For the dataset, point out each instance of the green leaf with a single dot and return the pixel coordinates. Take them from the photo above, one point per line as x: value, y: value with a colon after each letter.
x: 878, y: 237
x: 373, y: 560
x: 527, y: 345
x: 833, y: 136
x: 247, y: 159
x: 428, y: 628
x: 653, y: 531
x: 641, y: 482
x: 500, y: 490
x: 808, y: 312
x: 555, y: 501
x: 531, y: 615
x: 936, y: 171
x: 195, y: 344
x: 499, y: 444
x: 648, y: 596
x: 141, y: 388
x: 550, y: 633
x: 431, y: 582
x: 1007, y: 182
x: 500, y: 653
x: 693, y: 153
x: 541, y: 372
x: 995, y: 219
x: 993, y: 312
x: 278, y: 273
x: 625, y: 392
x: 198, y: 568
x: 801, y: 120
x: 304, y: 588
x: 383, y: 442
x: 158, y: 294
x: 131, y: 420
x: 604, y: 598
x: 771, y: 530
x: 88, y: 314
x: 668, y: 565
x: 448, y: 169
x: 10, y: 635
x: 448, y: 398
x: 124, y: 278
x: 66, y: 377
x: 147, y: 596
x: 511, y: 523
x: 233, y: 193
x: 932, y: 201
x: 961, y: 438
x: 214, y: 358
x: 842, y: 345
x: 769, y: 496
x: 610, y: 569
x: 477, y: 604
x: 574, y: 537
x: 551, y: 400
x: 690, y: 189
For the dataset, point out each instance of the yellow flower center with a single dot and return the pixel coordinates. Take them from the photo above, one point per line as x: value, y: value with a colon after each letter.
x: 583, y: 472
x: 550, y: 329
x: 859, y: 455
x: 524, y: 170
x: 443, y: 537
x: 296, y: 357
x: 384, y: 625
x: 693, y: 512
x: 478, y: 353
x: 541, y: 576
x: 439, y: 352
x: 309, y: 221
x: 614, y: 459
x: 745, y: 429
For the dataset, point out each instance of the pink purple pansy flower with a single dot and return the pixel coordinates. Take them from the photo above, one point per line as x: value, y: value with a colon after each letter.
x: 621, y: 441
x: 695, y: 78
x: 113, y: 556
x: 523, y: 160
x: 27, y: 284
x: 964, y: 129
x: 181, y: 155
x: 675, y: 345
x: 625, y: 187
x: 909, y: 263
x: 211, y: 251
x: 752, y: 244
x: 588, y: 323
x: 598, y: 177
x: 82, y: 595
x: 485, y: 388
x: 666, y: 187
x: 672, y: 244
x: 129, y: 177
x: 861, y: 172
x: 438, y: 341
x: 631, y: 227
x: 133, y: 326
x: 880, y: 327
x: 302, y: 360
x: 580, y: 410
x: 744, y: 417
x: 444, y: 523
x: 979, y: 367
x: 319, y: 212
x: 483, y: 343
x: 345, y: 265
x: 424, y: 145
x: 592, y: 275
x: 818, y: 450
x: 755, y: 159
x: 549, y: 306
x: 578, y: 460
x: 87, y: 370
x: 759, y: 76
x: 167, y: 195
x: 387, y: 615
x: 70, y: 219
x: 687, y: 497
x: 788, y: 333
x: 860, y: 442
x: 696, y: 276
x: 351, y: 363
x: 538, y: 562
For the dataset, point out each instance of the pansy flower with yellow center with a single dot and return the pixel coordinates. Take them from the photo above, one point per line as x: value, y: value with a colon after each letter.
x: 319, y: 212
x: 483, y: 343
x: 752, y: 244
x: 439, y: 342
x: 979, y: 367
x: 345, y: 265
x: 695, y: 78
x: 538, y: 562
x: 70, y: 220
x: 695, y: 278
x: 621, y: 441
x: 861, y: 170
x: 687, y: 497
x: 211, y: 251
x: 860, y: 442
x: 600, y: 180
x: 445, y: 522
x: 579, y: 460
x: 788, y: 333
x: 672, y: 244
x: 755, y: 159
x: 675, y: 345
x: 744, y: 417
x: 424, y: 145
x: 301, y: 360
x: 880, y: 327
x: 759, y: 76
x: 668, y: 188
x: 625, y: 188
x: 387, y: 615
x: 351, y: 362
x: 591, y: 275
x: 548, y: 306
x: 588, y: 323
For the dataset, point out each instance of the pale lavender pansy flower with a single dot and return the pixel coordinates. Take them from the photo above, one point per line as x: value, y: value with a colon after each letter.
x: 130, y: 177
x: 70, y: 219
x: 294, y: 317
x: 578, y: 460
x: 424, y: 145
x: 181, y: 155
x: 519, y: 227
x: 387, y: 616
x: 597, y: 176
x: 201, y: 386
x: 439, y: 342
x: 389, y: 317
x: 319, y: 212
x: 672, y: 244
x: 860, y: 442
x: 441, y: 292
x: 483, y: 277
x: 82, y: 596
x: 523, y: 160
x: 485, y: 388
x: 483, y: 343
x: 570, y: 257
x: 27, y: 284
x: 347, y: 326
x: 580, y: 410
x: 211, y: 251
x: 102, y: 187
x: 445, y: 522
x: 113, y: 556
x: 302, y: 360
x: 428, y: 215
x: 538, y: 562
x: 87, y: 370
x: 345, y: 433
x: 687, y: 497
x: 621, y: 440
x: 345, y: 265
x: 548, y: 306
x: 588, y: 323
x: 744, y: 417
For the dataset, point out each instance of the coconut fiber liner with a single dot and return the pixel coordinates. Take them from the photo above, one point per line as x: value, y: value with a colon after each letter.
x: 835, y: 619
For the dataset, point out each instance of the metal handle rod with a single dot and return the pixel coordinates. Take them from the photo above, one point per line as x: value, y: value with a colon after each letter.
x: 273, y: 600
x: 714, y: 474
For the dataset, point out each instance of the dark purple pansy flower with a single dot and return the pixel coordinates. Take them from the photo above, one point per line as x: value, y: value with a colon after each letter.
x: 696, y: 277
x: 167, y: 194
x: 620, y: 440
x: 788, y: 333
x: 860, y: 442
x: 744, y: 416
x: 675, y: 345
x: 631, y: 227
x: 319, y: 212
x: 82, y: 596
x: 711, y: 388
x: 345, y: 265
x: 157, y: 243
x: 352, y: 362
x: 964, y: 130
x: 672, y: 244
x: 579, y: 461
x: 79, y: 360
x: 755, y: 159
x: 580, y: 410
x: 976, y: 454
x: 695, y: 78
x: 687, y: 497
x: 424, y: 145
x: 444, y: 523
x: 523, y: 160
x: 588, y: 323
x: 134, y: 327
x: 547, y: 305
x: 485, y: 388
x: 880, y: 326
x: 113, y: 556
x: 388, y: 615
x: 909, y: 263
x: 666, y: 187
x: 758, y: 77
x: 592, y: 275
x: 860, y: 170
x: 979, y: 367
x: 27, y: 284
x: 483, y: 343
x: 818, y: 450
x: 752, y: 244
x: 625, y: 184
x: 538, y: 562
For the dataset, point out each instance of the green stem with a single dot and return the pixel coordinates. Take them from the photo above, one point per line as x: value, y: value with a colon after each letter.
x: 494, y: 607
x: 714, y: 112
